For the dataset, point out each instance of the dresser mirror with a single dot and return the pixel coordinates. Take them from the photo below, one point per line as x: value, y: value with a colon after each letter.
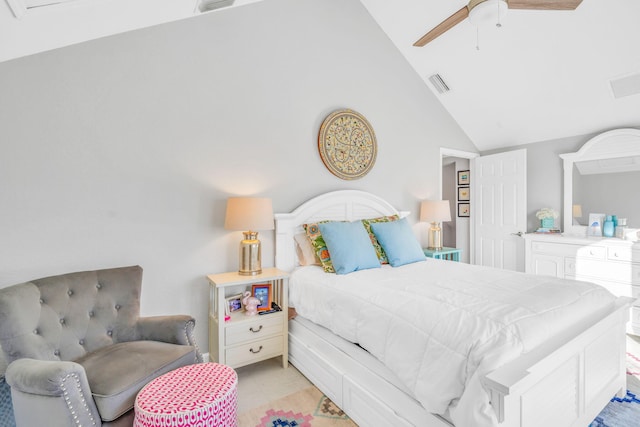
x: 602, y: 177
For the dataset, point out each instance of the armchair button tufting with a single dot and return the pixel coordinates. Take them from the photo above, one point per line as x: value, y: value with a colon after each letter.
x: 109, y: 333
x: 56, y: 353
x: 62, y: 321
x: 91, y: 314
x: 118, y: 307
x: 81, y: 342
x: 70, y: 292
x: 99, y: 285
x: 41, y: 301
x: 35, y: 331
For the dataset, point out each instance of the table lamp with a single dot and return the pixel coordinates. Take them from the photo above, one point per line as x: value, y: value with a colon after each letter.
x: 435, y: 212
x: 249, y: 213
x: 576, y: 212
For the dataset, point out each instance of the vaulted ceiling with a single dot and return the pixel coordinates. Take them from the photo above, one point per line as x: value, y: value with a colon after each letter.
x: 543, y: 75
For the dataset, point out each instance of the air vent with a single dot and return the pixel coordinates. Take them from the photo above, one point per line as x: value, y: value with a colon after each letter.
x: 626, y: 86
x: 207, y: 5
x: 20, y: 7
x: 437, y: 82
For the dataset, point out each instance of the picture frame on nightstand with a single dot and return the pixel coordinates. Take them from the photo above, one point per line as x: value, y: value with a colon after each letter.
x: 234, y: 303
x: 263, y: 292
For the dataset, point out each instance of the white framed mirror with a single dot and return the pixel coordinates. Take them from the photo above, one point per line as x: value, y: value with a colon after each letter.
x: 603, y: 177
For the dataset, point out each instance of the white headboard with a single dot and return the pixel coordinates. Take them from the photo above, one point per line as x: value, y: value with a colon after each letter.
x: 343, y: 205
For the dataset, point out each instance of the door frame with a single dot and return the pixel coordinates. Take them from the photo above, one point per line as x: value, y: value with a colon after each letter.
x: 450, y: 152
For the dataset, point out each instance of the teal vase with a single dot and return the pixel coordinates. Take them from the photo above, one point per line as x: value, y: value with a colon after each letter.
x: 547, y: 223
x: 608, y: 227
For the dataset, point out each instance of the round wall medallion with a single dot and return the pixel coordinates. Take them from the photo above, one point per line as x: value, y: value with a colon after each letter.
x: 347, y: 144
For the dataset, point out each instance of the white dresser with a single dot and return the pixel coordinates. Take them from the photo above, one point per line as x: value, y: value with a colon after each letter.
x: 612, y: 263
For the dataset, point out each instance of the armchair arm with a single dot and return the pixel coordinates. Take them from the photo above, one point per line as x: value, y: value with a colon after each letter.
x: 176, y: 329
x: 59, y: 387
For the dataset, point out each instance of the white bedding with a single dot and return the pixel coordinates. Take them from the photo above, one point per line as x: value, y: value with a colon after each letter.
x: 440, y: 326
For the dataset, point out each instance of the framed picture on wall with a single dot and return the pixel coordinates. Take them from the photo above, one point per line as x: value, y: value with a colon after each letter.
x: 463, y: 194
x: 463, y: 178
x: 463, y: 209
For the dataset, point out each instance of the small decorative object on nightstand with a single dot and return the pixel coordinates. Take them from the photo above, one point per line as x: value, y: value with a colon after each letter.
x: 250, y: 304
x: 451, y: 254
x: 241, y: 340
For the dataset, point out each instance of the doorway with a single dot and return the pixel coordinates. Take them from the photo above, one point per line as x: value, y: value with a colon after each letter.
x: 457, y: 233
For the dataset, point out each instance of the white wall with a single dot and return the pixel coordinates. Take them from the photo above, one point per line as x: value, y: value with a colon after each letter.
x: 124, y: 149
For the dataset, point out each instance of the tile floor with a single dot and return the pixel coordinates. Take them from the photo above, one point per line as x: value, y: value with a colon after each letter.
x: 265, y: 381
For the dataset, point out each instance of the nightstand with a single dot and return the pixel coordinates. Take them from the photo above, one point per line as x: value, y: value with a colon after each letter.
x: 451, y: 254
x: 240, y: 339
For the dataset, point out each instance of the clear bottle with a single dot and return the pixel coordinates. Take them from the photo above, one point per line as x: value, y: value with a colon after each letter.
x: 621, y: 228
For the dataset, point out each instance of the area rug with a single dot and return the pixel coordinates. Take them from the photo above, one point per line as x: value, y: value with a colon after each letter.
x: 305, y: 408
x: 625, y: 412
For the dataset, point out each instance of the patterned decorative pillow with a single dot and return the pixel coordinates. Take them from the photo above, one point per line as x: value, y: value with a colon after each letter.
x: 374, y: 241
x: 317, y: 241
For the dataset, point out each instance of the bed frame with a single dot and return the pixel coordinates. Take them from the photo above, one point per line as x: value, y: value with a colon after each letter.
x: 565, y: 382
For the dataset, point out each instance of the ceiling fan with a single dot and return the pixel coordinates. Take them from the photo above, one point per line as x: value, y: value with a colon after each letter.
x: 479, y: 9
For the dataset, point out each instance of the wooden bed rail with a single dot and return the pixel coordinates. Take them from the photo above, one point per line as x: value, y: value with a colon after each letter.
x: 579, y: 369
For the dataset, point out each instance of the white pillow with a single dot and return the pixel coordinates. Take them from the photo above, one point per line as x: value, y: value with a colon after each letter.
x: 304, y: 250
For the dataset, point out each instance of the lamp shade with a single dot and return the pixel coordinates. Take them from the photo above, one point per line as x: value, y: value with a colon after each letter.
x: 249, y: 213
x: 576, y: 211
x: 435, y: 211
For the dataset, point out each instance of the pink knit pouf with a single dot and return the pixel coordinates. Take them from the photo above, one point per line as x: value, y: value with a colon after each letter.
x: 202, y: 395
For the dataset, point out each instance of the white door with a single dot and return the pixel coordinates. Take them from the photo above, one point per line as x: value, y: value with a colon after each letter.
x: 499, y: 209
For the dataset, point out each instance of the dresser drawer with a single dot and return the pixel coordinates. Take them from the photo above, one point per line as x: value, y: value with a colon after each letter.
x: 620, y: 254
x: 245, y: 354
x: 257, y: 328
x: 590, y: 270
x: 549, y: 248
x: 592, y: 252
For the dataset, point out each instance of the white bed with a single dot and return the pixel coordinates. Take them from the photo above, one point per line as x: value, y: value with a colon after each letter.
x: 568, y: 379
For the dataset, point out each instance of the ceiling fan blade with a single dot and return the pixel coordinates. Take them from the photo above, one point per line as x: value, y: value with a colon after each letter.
x: 544, y: 4
x: 444, y: 26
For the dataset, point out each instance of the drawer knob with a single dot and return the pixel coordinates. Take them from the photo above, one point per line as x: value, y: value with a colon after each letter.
x: 255, y: 330
x: 254, y: 351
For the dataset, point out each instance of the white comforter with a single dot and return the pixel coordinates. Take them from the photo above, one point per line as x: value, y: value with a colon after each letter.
x: 442, y: 325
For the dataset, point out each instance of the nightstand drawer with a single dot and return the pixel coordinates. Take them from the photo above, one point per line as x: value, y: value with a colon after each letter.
x: 254, y: 352
x: 259, y: 327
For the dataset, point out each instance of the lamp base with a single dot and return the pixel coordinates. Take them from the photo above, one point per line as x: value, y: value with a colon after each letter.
x: 250, y: 254
x: 435, y: 237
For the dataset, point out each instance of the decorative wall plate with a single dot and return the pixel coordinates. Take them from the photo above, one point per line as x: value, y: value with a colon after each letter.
x: 347, y: 144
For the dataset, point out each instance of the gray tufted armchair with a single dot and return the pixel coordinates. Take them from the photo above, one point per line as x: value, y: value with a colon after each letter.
x: 78, y: 352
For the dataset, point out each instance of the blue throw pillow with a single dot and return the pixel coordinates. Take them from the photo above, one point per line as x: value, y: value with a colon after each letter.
x: 398, y: 241
x: 349, y: 246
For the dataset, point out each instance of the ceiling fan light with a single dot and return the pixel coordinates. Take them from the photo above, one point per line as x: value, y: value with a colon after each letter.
x: 488, y: 12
